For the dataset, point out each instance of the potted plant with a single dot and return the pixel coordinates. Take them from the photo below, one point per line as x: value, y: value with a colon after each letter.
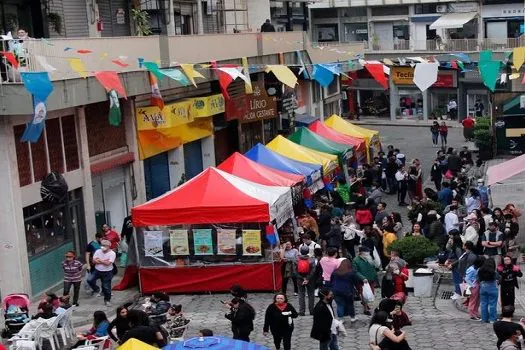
x: 141, y: 19
x: 483, y: 141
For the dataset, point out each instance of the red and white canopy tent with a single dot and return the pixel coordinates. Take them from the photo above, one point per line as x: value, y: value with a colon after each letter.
x: 212, y: 197
x: 503, y: 171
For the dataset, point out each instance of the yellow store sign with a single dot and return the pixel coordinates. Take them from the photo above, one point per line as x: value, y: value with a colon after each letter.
x: 202, y: 107
x: 402, y: 75
x: 173, y: 114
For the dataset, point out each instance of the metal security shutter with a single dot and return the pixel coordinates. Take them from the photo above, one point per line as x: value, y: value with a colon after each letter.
x: 120, y: 29
x: 156, y: 175
x: 104, y: 10
x: 193, y: 159
x: 75, y: 18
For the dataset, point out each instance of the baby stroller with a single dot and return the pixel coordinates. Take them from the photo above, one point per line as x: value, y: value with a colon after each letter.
x: 16, y: 313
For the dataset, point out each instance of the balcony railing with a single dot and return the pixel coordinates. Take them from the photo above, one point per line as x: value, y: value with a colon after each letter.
x: 122, y: 54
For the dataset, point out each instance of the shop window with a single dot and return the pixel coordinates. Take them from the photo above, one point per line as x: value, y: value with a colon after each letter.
x: 327, y: 32
x: 316, y: 92
x: 54, y: 145
x: 333, y: 88
x: 36, y: 160
x: 425, y: 8
x: 69, y: 135
x: 356, y: 32
x: 389, y: 10
x: 22, y: 156
x: 49, y: 226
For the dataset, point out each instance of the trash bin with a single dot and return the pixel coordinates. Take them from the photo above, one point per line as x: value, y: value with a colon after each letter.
x: 423, y: 281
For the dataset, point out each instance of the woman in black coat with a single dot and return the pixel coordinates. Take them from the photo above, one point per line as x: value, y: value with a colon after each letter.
x: 278, y: 319
x: 121, y: 323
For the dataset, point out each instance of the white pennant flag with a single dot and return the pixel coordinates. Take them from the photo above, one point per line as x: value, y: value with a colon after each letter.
x: 234, y: 73
x: 503, y: 79
x: 425, y: 75
x: 43, y: 62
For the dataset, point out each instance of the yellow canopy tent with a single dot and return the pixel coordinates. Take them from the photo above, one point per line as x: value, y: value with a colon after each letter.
x: 289, y: 149
x: 134, y: 344
x: 371, y: 136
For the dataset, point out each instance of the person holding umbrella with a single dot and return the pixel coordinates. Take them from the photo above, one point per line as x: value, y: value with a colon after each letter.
x: 279, y: 320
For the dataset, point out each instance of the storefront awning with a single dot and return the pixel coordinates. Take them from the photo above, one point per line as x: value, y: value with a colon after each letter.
x: 453, y: 20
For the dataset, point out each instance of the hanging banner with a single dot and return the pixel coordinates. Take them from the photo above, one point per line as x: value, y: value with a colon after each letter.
x: 260, y: 105
x: 207, y: 106
x: 202, y: 242
x: 179, y: 242
x: 251, y: 242
x: 153, y: 243
x: 226, y: 242
x: 173, y: 114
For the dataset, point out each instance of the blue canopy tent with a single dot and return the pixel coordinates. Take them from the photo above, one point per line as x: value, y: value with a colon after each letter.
x: 304, y: 120
x: 261, y: 154
x: 214, y: 343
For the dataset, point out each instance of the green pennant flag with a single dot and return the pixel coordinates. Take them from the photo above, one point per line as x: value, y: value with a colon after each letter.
x: 115, y: 116
x: 485, y: 55
x: 489, y: 71
x: 461, y: 65
x: 154, y: 68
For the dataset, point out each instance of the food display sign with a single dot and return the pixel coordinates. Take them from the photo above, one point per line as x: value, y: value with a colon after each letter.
x: 153, y: 243
x: 251, y: 242
x: 179, y: 242
x: 226, y: 243
x: 202, y: 242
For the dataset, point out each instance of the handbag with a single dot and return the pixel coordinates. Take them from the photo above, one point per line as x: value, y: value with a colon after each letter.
x: 368, y: 295
x: 465, y: 289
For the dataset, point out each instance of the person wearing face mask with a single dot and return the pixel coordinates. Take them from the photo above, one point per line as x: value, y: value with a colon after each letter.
x: 508, y: 281
x: 279, y: 321
x: 364, y: 267
x: 506, y: 330
x: 289, y: 256
x: 103, y: 259
x: 324, y: 328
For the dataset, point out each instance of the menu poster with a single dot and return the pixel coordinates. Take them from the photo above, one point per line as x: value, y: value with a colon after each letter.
x: 179, y: 242
x: 226, y: 242
x: 251, y: 242
x: 153, y: 243
x: 202, y: 242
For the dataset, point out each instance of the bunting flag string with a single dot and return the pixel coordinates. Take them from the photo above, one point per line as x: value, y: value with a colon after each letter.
x: 10, y: 57
x: 78, y: 66
x: 191, y: 73
x: 283, y: 74
x: 111, y: 81
x: 425, y: 75
x: 40, y: 86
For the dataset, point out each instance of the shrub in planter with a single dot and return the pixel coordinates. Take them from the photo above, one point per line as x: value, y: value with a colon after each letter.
x: 414, y: 249
x: 483, y: 140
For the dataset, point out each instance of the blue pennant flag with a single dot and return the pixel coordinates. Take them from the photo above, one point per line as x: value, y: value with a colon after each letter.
x: 176, y: 75
x: 322, y: 75
x: 39, y: 85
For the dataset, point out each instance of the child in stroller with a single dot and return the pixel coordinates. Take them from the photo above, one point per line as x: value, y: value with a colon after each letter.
x: 16, y: 313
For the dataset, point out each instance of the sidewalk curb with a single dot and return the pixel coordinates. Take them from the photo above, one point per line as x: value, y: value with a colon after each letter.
x: 425, y: 124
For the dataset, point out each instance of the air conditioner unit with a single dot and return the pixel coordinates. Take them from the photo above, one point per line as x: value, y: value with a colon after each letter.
x: 441, y: 8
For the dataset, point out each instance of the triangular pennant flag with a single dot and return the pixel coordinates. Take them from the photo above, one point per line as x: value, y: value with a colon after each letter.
x: 425, y: 75
x: 233, y: 72
x: 111, y: 81
x: 176, y: 75
x: 191, y: 73
x: 47, y: 42
x: 246, y: 70
x: 68, y: 48
x: 120, y: 63
x: 140, y: 61
x: 154, y: 68
x: 322, y: 75
x: 42, y: 61
x: 7, y: 37
x: 454, y: 64
x: 78, y: 66
x: 225, y: 80
x: 518, y: 57
x: 388, y: 61
x: 503, y: 78
x: 378, y: 73
x: 461, y: 65
x: 156, y: 97
x: 489, y: 71
x: 40, y: 86
x: 283, y: 74
x: 115, y: 116
x: 485, y: 55
x: 303, y: 69
x: 514, y: 76
x: 10, y: 57
x: 83, y: 52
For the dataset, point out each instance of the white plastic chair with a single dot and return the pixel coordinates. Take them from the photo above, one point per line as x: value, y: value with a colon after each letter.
x: 49, y: 333
x: 181, y: 338
x: 27, y: 341
x: 98, y: 343
x: 67, y: 331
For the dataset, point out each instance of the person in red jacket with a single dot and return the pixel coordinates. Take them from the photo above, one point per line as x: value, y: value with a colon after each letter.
x: 468, y: 128
x: 112, y: 236
x: 363, y: 216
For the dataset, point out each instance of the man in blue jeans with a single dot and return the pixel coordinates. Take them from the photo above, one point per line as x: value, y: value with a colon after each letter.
x: 103, y: 260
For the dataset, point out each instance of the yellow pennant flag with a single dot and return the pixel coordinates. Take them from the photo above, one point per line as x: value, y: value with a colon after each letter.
x: 388, y: 62
x: 246, y: 70
x: 78, y: 66
x: 283, y: 73
x: 514, y: 76
x: 518, y: 57
x: 191, y: 73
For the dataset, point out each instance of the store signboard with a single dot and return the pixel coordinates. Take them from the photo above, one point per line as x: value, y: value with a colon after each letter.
x: 502, y: 10
x: 173, y: 114
x: 405, y: 76
x: 207, y: 106
x: 260, y: 105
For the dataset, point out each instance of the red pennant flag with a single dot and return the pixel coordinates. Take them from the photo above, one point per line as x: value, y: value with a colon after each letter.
x: 111, y: 81
x: 120, y: 63
x: 376, y: 70
x: 224, y: 80
x: 10, y: 57
x: 454, y: 64
x: 156, y: 97
x: 82, y: 51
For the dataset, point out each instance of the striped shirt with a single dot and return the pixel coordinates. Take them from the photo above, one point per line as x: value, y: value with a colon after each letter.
x: 72, y: 270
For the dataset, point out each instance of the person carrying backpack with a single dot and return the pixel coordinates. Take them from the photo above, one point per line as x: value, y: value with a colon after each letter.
x: 306, y: 280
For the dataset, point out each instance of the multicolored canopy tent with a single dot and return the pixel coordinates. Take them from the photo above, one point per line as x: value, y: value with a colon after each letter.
x: 503, y: 171
x: 371, y: 136
x: 287, y: 148
x: 262, y: 155
x: 244, y: 167
x: 135, y: 344
x: 359, y: 144
x: 214, y: 343
x: 305, y: 119
x: 307, y: 138
x: 215, y: 196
